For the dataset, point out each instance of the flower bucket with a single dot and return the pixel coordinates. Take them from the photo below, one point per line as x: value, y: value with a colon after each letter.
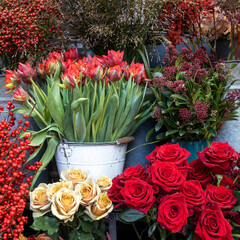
x: 105, y: 158
x: 193, y: 147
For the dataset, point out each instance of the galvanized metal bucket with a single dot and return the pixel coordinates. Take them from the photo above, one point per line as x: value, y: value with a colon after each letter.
x: 99, y: 158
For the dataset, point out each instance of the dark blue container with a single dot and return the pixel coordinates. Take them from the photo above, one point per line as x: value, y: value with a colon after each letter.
x: 193, y: 147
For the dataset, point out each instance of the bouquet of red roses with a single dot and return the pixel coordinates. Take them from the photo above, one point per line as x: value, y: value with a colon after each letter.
x: 195, y: 200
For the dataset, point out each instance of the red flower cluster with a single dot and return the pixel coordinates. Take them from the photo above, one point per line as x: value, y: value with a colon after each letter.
x: 26, y: 26
x: 180, y: 16
x: 180, y: 191
x: 14, y: 183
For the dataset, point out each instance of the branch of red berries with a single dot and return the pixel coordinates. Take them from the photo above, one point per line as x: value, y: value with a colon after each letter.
x: 15, y: 179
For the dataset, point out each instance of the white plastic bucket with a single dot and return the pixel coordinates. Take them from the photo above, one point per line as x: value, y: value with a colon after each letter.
x: 99, y: 158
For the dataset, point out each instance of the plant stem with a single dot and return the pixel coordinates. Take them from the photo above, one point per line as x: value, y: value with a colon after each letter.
x: 37, y: 113
x: 136, y: 231
x: 235, y: 180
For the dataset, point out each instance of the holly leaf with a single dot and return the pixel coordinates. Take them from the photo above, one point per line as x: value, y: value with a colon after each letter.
x: 46, y: 224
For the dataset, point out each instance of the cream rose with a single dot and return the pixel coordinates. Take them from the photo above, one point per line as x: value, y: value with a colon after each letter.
x: 65, y: 204
x: 101, y: 208
x: 89, y: 192
x: 39, y: 202
x: 55, y: 187
x: 104, y: 183
x: 74, y: 175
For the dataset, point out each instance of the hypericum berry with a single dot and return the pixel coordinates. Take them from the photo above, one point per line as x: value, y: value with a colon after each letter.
x: 14, y: 183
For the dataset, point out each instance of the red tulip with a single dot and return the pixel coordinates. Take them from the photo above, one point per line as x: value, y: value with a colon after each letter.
x: 40, y: 69
x: 113, y: 58
x: 115, y: 73
x: 72, y: 54
x: 56, y: 56
x: 95, y: 73
x: 137, y: 70
x: 26, y: 72
x: 12, y: 80
x: 68, y: 80
x: 66, y: 65
x: 20, y: 96
x: 51, y: 66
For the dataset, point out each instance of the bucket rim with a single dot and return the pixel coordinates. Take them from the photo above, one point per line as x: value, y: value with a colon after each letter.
x: 90, y: 143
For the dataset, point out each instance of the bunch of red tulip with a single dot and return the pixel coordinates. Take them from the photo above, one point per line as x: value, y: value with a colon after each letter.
x: 14, y: 182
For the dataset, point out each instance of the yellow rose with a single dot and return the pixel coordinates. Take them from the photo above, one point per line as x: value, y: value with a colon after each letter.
x: 39, y: 202
x: 55, y: 187
x: 74, y: 175
x: 65, y: 204
x: 101, y: 208
x: 104, y: 183
x: 89, y: 192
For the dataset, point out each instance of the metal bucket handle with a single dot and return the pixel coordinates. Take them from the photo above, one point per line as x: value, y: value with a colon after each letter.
x: 124, y: 140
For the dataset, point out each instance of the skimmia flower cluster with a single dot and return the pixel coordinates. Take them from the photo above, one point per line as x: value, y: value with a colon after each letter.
x: 26, y: 28
x: 14, y: 181
x: 191, y: 95
x: 194, y: 200
x: 71, y: 200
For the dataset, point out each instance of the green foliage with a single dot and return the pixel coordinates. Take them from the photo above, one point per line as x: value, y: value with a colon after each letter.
x: 130, y: 215
x: 82, y: 227
x: 180, y: 114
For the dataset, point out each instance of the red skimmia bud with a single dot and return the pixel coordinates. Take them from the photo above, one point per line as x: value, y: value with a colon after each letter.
x: 72, y: 54
x: 113, y: 58
x: 26, y: 72
x: 20, y: 96
x: 12, y: 80
x: 115, y: 73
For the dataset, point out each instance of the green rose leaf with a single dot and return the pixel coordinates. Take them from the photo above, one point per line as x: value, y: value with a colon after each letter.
x: 130, y: 215
x: 152, y: 229
x: 46, y: 224
x: 75, y: 235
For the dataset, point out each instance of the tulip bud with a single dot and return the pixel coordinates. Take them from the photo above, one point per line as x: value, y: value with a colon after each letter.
x: 41, y: 70
x: 26, y: 73
x: 113, y: 58
x: 115, y: 73
x: 51, y: 66
x: 20, y: 96
x: 12, y: 80
x: 72, y: 54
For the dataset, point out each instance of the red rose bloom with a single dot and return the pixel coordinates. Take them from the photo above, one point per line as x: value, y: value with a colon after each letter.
x: 219, y: 157
x: 193, y: 193
x: 114, y: 192
x: 212, y: 225
x: 170, y: 153
x: 138, y: 194
x: 166, y: 175
x: 137, y: 171
x: 173, y: 212
x: 198, y: 171
x: 221, y: 195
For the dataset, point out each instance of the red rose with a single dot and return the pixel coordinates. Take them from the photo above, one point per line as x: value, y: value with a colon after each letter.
x: 221, y: 195
x: 114, y: 192
x: 170, y: 153
x: 193, y: 193
x: 219, y: 157
x: 173, y: 212
x: 138, y: 194
x: 198, y: 171
x: 212, y: 225
x: 166, y: 175
x: 137, y: 171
